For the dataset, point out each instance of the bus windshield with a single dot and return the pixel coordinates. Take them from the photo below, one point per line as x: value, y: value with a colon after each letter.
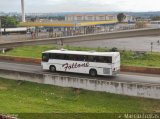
x: 45, y: 57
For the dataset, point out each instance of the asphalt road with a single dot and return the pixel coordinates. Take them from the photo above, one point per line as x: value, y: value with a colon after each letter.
x: 122, y: 77
x: 132, y: 43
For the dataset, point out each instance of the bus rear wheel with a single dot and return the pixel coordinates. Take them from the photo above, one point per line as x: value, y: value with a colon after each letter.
x: 52, y: 69
x: 93, y: 72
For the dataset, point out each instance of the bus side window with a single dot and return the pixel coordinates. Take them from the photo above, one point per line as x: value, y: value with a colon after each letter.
x: 52, y: 56
x: 96, y: 59
x: 101, y: 59
x: 80, y: 58
x: 108, y: 59
x: 61, y: 56
x: 91, y: 58
x: 85, y: 58
x: 56, y: 56
x: 74, y: 57
x: 70, y: 57
x: 65, y: 57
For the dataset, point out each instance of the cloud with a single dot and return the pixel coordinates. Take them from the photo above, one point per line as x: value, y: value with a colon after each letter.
x: 80, y: 5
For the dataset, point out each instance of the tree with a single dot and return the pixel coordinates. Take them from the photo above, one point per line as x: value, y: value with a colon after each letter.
x: 155, y: 18
x: 33, y: 19
x: 121, y: 17
x: 8, y: 22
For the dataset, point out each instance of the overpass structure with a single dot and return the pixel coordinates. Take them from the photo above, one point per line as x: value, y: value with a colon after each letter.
x: 81, y: 38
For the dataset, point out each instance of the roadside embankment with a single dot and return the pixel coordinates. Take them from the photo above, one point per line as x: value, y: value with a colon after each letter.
x: 147, y: 70
x: 20, y: 59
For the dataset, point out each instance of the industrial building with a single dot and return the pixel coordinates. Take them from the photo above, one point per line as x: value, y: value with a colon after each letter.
x: 90, y: 17
x: 96, y: 17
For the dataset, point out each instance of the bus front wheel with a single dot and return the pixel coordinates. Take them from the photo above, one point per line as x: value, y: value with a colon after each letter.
x: 93, y: 72
x: 52, y: 69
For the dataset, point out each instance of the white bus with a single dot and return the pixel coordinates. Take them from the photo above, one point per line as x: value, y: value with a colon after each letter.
x: 93, y: 63
x: 13, y: 30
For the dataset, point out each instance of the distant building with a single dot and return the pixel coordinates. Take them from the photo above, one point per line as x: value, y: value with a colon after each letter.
x: 129, y: 19
x: 90, y: 17
x: 143, y: 19
x: 154, y: 24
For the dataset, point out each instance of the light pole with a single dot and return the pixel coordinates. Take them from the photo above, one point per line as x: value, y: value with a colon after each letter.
x: 23, y: 12
x: 151, y: 46
x: 0, y: 27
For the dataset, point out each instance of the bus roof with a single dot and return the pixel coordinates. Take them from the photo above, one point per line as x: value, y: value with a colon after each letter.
x: 83, y: 52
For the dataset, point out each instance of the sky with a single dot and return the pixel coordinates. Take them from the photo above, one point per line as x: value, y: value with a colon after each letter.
x: 44, y: 6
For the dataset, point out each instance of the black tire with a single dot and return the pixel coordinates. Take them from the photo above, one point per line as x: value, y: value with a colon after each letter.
x: 93, y: 72
x: 52, y: 68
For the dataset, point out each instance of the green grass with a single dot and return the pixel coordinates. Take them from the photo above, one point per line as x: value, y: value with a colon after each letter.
x: 26, y: 97
x: 147, y: 60
x: 35, y: 51
x: 127, y: 58
x: 29, y: 51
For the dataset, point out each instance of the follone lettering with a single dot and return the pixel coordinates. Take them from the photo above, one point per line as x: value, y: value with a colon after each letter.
x: 74, y: 65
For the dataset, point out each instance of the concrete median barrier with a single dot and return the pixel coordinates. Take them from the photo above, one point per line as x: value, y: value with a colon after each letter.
x: 124, y: 88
